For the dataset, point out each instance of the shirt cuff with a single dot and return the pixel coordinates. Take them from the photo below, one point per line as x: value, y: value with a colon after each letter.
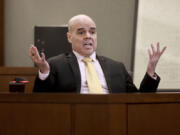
x: 43, y: 76
x: 155, y: 76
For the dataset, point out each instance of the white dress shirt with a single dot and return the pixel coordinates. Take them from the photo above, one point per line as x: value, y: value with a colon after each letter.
x: 84, y: 86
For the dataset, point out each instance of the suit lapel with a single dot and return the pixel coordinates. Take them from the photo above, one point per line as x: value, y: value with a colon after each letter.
x: 105, y: 69
x: 72, y: 60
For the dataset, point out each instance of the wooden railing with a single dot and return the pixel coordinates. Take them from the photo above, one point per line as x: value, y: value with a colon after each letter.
x: 76, y: 114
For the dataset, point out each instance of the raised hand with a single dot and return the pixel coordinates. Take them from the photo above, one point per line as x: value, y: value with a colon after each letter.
x: 40, y: 61
x: 154, y: 56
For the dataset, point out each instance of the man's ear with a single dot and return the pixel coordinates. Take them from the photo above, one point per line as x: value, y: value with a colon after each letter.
x: 69, y: 37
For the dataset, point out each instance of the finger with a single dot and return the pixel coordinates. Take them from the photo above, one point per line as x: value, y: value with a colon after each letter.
x: 31, y: 51
x: 149, y: 52
x: 158, y: 47
x: 36, y: 53
x: 164, y: 48
x: 152, y: 47
x: 43, y: 56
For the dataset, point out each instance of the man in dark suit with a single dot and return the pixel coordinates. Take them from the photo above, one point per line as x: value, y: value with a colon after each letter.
x: 66, y: 72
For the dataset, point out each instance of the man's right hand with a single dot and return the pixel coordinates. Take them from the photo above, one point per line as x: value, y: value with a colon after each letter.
x: 40, y: 61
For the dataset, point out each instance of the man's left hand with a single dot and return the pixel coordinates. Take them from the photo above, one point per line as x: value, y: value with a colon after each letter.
x: 154, y: 56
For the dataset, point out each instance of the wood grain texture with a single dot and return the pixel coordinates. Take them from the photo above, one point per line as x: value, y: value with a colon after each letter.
x: 154, y: 119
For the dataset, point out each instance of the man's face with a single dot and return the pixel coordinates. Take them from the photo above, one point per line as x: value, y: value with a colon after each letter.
x: 83, y: 36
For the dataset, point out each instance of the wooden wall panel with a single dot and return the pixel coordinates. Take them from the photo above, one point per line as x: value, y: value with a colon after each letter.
x: 100, y: 119
x: 154, y: 119
x: 35, y: 119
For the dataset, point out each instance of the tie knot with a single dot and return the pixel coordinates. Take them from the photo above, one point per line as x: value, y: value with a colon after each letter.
x: 87, y: 59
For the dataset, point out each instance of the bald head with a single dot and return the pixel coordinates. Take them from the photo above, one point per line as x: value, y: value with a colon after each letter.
x: 82, y: 34
x: 78, y: 19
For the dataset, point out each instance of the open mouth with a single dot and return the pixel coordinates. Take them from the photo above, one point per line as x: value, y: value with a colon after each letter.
x: 87, y: 44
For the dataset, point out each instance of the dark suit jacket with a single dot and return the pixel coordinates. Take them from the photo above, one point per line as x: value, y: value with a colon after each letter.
x: 65, y: 76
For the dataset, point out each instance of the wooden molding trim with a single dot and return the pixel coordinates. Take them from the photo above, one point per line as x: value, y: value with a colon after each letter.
x: 1, y: 32
x: 18, y: 71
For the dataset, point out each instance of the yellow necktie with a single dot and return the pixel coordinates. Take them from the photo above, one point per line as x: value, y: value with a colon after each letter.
x: 92, y: 77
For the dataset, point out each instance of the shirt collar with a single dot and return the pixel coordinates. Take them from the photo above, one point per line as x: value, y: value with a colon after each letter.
x: 80, y: 57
